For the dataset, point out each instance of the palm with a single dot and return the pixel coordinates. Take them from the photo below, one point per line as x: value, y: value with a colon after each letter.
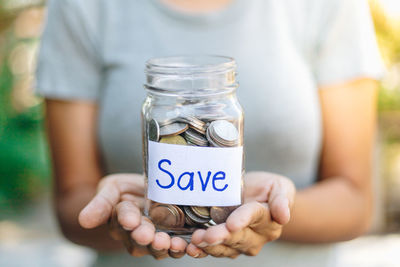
x: 268, y: 198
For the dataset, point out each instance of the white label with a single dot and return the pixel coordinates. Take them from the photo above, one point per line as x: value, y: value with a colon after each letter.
x: 192, y: 175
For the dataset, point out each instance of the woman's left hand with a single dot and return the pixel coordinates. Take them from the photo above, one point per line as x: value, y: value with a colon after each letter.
x: 268, y: 200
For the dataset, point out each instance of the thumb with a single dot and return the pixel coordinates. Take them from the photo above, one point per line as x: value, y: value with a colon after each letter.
x: 99, y: 209
x: 280, y: 210
x: 280, y: 200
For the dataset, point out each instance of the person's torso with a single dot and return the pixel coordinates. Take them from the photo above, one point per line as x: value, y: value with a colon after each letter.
x: 277, y: 88
x: 277, y: 91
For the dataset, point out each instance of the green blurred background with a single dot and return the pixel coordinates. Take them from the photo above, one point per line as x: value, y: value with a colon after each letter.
x: 24, y: 162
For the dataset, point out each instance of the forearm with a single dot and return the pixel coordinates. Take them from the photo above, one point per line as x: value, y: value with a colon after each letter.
x: 332, y: 210
x: 68, y: 206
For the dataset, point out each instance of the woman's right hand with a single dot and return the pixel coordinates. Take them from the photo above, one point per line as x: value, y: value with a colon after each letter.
x: 120, y: 201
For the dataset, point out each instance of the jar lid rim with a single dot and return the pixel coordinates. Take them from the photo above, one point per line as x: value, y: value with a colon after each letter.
x: 190, y: 64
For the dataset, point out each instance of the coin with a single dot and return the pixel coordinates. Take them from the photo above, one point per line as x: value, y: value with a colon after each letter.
x: 195, y: 123
x: 220, y: 214
x: 210, y: 140
x: 166, y: 122
x: 174, y: 140
x: 195, y: 138
x: 190, y: 143
x: 225, y: 130
x: 193, y: 216
x: 191, y: 131
x: 203, y: 212
x: 189, y: 221
x: 223, y: 133
x: 166, y: 216
x: 153, y: 130
x: 210, y: 223
x: 173, y: 129
x: 181, y: 215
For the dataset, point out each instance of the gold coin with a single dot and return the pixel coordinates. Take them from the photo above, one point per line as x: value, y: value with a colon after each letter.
x: 174, y: 140
x: 203, y: 212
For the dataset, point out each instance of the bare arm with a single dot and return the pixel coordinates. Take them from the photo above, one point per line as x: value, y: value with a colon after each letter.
x: 77, y: 169
x: 339, y: 206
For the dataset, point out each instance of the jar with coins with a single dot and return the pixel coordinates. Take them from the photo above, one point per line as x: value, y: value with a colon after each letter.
x: 192, y: 126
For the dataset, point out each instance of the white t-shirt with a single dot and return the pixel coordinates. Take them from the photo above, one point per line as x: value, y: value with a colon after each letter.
x: 285, y: 49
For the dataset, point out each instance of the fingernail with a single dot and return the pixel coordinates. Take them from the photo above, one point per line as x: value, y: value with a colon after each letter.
x: 202, y: 245
x: 197, y: 255
x: 219, y: 242
x: 156, y: 249
x: 127, y: 228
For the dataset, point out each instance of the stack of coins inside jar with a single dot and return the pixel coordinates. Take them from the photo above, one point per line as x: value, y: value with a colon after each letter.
x: 191, y: 131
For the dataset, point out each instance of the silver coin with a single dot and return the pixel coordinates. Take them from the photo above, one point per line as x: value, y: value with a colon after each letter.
x: 224, y: 133
x: 195, y: 123
x: 198, y: 129
x: 215, y: 116
x: 195, y: 138
x: 210, y: 223
x: 210, y: 140
x: 168, y: 121
x: 190, y: 143
x: 193, y: 216
x: 173, y: 129
x: 154, y: 130
x: 189, y: 221
x: 225, y: 130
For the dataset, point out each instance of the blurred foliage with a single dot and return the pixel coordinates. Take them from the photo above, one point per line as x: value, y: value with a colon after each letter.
x: 24, y: 164
x: 388, y: 36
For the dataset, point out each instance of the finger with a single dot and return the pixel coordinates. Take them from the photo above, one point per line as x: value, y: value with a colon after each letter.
x: 160, y: 245
x: 99, y: 208
x: 280, y: 211
x: 220, y: 251
x: 213, y: 246
x: 115, y: 229
x: 133, y: 248
x: 129, y: 216
x: 198, y: 238
x: 110, y: 189
x: 176, y: 254
x: 140, y: 251
x: 195, y: 252
x: 144, y: 233
x: 246, y: 241
x: 249, y: 214
x: 178, y: 247
x: 138, y: 200
x: 158, y: 254
x: 280, y: 200
x: 216, y: 235
x: 178, y: 244
x: 127, y: 183
x: 162, y: 241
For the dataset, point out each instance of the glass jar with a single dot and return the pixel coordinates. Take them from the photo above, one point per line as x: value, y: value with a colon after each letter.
x: 192, y: 126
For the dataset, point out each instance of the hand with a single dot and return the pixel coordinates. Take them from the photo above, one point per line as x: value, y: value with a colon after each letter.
x: 268, y: 200
x: 120, y: 201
